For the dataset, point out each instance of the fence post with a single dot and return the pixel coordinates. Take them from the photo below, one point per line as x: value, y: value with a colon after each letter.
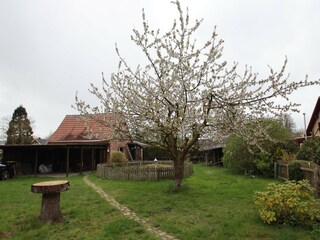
x: 275, y: 175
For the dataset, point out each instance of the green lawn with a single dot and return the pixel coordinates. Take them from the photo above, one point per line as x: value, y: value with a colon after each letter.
x: 212, y: 205
x: 86, y: 215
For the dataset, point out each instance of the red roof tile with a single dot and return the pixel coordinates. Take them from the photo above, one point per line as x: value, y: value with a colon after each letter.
x: 75, y: 128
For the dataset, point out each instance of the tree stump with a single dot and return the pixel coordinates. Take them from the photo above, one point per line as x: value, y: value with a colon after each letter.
x: 50, y: 208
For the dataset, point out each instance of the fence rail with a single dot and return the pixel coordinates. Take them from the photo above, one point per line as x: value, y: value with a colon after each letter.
x: 311, y: 172
x: 141, y: 171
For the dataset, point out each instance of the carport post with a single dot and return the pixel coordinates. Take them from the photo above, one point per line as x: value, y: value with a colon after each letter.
x: 67, y: 167
x: 36, y: 163
x: 92, y: 159
x: 81, y: 166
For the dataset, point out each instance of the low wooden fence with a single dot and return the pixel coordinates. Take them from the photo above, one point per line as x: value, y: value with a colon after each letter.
x: 141, y: 170
x: 311, y: 172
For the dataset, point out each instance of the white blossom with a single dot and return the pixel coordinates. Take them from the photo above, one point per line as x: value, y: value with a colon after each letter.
x: 186, y: 90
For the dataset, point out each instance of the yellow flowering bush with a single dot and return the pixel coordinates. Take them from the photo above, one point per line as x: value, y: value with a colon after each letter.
x: 291, y: 202
x: 119, y: 158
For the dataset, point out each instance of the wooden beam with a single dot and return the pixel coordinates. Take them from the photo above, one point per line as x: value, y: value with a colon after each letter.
x: 92, y: 159
x: 81, y: 166
x: 36, y: 163
x: 67, y: 166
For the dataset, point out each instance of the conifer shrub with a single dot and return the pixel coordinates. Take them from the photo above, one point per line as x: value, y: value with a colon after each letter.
x: 289, y: 203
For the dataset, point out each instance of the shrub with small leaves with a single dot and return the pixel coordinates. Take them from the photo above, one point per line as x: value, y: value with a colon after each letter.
x: 292, y: 202
x: 295, y: 172
x: 119, y: 158
x: 265, y: 164
x: 310, y: 150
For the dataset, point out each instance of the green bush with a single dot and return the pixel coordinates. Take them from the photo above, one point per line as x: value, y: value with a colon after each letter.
x: 264, y: 164
x: 241, y: 156
x: 295, y: 173
x: 236, y: 156
x: 310, y: 150
x: 287, y: 157
x: 151, y: 152
x: 290, y: 203
x: 119, y: 158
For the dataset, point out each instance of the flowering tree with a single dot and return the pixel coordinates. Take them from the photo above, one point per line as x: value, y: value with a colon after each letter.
x: 186, y: 91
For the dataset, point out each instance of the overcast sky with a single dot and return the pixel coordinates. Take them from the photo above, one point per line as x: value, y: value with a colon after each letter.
x: 50, y: 49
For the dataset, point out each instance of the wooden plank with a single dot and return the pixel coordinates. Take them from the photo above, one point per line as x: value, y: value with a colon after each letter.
x: 307, y: 169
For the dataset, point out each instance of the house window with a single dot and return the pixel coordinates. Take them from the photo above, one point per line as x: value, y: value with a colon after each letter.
x: 120, y: 149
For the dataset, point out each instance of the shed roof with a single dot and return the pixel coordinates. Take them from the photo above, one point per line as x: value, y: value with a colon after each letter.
x: 206, y: 144
x: 314, y: 117
x: 91, y: 127
x: 41, y: 141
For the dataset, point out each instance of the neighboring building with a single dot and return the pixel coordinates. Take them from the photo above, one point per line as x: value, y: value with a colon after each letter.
x: 313, y: 128
x: 76, y: 130
x: 75, y: 146
x: 211, y: 151
x: 41, y: 141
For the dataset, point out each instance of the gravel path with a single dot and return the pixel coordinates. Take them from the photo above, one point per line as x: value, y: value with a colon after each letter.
x: 128, y: 213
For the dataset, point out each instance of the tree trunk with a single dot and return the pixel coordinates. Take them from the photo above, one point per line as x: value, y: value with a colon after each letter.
x: 50, y: 208
x: 178, y: 172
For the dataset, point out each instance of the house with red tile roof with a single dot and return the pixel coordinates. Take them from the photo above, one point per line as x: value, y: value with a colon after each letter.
x: 78, y: 144
x: 75, y: 128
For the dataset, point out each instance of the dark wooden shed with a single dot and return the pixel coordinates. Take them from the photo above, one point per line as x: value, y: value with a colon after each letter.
x: 75, y: 146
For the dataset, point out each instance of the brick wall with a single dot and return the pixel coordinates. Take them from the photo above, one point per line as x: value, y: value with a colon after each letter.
x: 118, y: 146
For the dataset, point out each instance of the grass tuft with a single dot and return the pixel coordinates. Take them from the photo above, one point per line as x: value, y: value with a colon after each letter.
x: 173, y: 190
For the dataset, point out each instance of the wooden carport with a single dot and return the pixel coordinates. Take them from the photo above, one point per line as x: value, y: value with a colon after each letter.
x: 65, y: 157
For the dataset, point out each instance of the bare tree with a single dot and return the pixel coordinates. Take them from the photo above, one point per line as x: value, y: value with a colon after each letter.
x: 186, y: 91
x: 288, y: 122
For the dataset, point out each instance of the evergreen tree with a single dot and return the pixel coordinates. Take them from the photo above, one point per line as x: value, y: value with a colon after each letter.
x: 20, y: 130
